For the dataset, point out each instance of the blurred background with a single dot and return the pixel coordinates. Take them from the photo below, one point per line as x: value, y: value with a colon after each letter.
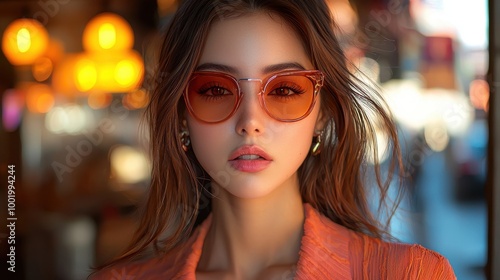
x: 74, y: 82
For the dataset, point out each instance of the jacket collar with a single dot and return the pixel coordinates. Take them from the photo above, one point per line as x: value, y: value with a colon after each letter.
x: 324, y: 250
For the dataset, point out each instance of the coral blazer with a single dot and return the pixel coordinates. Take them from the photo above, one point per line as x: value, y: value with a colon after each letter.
x: 328, y: 251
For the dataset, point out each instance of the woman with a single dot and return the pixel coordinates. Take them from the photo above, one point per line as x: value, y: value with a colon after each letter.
x: 258, y: 122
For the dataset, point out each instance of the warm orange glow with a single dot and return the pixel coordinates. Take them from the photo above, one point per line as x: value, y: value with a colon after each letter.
x: 166, y: 7
x: 106, y: 73
x: 125, y: 73
x: 99, y: 72
x: 63, y: 78
x: 86, y: 74
x: 129, y: 70
x: 42, y: 69
x: 479, y: 92
x: 119, y: 71
x: 39, y: 98
x: 108, y: 31
x: 99, y: 100
x: 23, y: 41
x: 136, y: 99
x: 55, y: 51
x: 107, y: 36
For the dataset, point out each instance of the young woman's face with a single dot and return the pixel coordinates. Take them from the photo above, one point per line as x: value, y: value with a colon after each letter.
x: 251, y: 154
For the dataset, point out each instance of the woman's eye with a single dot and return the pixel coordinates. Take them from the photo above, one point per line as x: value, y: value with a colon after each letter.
x: 284, y: 91
x: 214, y: 90
x: 218, y: 91
x: 287, y: 91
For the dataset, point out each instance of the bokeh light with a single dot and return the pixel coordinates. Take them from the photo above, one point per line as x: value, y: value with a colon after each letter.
x: 479, y: 92
x: 23, y: 41
x: 136, y: 99
x: 99, y: 100
x: 108, y: 32
x: 42, y: 69
x: 118, y: 72
x: 436, y: 136
x: 12, y: 108
x: 86, y: 74
x: 69, y: 119
x: 39, y: 98
x: 129, y: 165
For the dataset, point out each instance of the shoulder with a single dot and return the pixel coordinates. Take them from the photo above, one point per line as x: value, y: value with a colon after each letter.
x: 153, y: 268
x: 178, y: 263
x: 373, y: 258
x: 398, y: 260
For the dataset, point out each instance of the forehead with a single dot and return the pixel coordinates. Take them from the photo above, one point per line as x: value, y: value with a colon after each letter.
x: 251, y: 42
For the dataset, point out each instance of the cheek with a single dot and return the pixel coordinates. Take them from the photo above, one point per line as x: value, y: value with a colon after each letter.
x: 299, y: 140
x: 292, y: 141
x: 202, y: 138
x: 305, y: 133
x: 207, y: 141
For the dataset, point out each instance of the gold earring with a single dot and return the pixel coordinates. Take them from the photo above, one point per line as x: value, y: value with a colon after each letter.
x: 185, y: 140
x: 316, y: 145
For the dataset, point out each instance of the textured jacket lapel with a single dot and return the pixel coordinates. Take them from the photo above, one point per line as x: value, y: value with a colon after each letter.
x: 324, y: 252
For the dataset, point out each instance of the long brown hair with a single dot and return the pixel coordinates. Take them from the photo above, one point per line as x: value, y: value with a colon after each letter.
x: 334, y: 182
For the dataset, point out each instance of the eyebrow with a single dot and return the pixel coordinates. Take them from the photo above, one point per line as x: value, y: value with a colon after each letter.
x: 283, y: 66
x: 216, y: 67
x: 268, y: 69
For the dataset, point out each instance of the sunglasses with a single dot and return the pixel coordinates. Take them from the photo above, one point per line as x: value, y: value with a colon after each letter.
x: 288, y: 96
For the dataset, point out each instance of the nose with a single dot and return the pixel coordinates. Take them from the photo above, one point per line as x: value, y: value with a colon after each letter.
x: 251, y: 117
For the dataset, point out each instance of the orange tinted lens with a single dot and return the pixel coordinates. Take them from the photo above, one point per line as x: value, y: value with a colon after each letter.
x: 289, y: 97
x: 212, y: 98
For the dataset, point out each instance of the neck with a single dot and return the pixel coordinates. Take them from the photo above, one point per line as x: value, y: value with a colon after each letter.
x: 248, y: 236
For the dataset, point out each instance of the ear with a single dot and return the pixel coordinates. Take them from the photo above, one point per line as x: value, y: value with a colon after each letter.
x: 183, y: 117
x: 321, y: 121
x: 184, y: 126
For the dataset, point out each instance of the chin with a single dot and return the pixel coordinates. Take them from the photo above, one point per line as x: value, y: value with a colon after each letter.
x: 252, y: 186
x: 249, y: 191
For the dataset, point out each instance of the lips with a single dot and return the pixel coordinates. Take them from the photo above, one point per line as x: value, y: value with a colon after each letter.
x: 249, y: 153
x: 249, y: 159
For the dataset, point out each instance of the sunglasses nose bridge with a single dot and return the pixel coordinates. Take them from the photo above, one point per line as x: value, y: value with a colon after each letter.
x: 254, y: 88
x: 258, y: 88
